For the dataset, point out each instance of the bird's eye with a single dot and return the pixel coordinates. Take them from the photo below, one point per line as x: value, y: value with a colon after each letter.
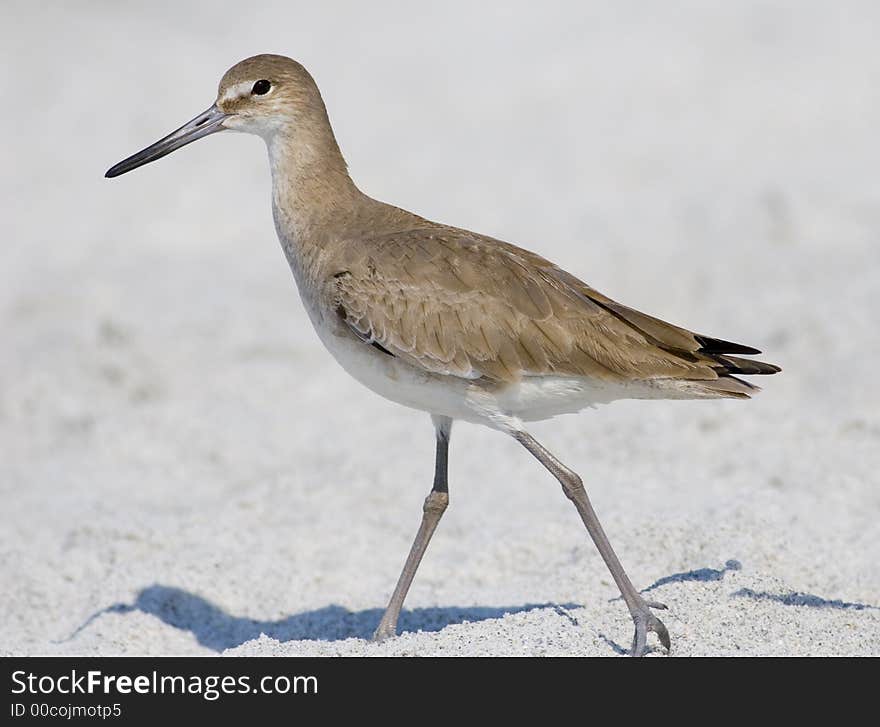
x: 261, y: 87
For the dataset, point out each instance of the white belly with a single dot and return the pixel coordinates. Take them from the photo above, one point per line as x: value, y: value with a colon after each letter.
x: 397, y: 380
x: 531, y: 399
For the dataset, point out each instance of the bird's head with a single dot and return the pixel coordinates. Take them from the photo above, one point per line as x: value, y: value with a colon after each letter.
x: 261, y: 95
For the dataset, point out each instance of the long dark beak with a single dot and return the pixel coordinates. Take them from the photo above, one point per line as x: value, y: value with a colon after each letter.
x: 204, y: 124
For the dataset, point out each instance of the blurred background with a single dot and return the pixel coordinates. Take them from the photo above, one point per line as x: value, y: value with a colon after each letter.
x: 168, y: 418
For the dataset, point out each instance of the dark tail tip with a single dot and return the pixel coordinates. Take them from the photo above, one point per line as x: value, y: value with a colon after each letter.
x: 716, y: 345
x: 747, y: 367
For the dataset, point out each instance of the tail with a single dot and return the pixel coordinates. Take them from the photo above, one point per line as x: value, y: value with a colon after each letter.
x: 718, y: 377
x: 727, y: 367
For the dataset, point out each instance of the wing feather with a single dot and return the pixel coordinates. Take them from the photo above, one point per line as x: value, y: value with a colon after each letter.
x: 457, y: 303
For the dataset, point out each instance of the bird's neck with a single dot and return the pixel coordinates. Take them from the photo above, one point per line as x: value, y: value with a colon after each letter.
x: 312, y: 191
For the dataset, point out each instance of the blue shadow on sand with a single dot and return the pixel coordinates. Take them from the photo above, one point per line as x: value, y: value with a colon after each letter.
x: 796, y: 598
x: 700, y: 574
x: 218, y: 630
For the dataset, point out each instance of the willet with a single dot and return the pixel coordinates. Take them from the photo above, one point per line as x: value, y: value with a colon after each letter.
x: 447, y: 321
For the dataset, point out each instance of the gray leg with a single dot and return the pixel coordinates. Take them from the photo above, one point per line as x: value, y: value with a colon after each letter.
x: 432, y: 511
x: 573, y: 487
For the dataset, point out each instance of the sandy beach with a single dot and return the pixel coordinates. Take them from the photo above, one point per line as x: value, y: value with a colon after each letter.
x: 185, y: 470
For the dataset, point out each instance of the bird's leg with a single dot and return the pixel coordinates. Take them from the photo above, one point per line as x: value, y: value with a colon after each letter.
x: 639, y: 608
x: 432, y: 511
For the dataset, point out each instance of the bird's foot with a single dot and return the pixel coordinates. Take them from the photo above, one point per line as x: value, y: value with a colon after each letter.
x: 646, y: 621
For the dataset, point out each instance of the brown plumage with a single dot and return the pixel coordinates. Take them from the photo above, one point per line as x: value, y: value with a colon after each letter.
x: 448, y: 321
x: 423, y: 294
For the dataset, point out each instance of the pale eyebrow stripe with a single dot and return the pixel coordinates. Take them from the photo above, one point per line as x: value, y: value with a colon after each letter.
x: 239, y: 90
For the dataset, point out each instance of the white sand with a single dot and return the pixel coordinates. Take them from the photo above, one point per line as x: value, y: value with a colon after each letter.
x: 184, y: 468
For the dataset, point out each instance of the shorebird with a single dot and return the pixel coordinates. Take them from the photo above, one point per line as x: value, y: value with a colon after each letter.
x: 448, y: 321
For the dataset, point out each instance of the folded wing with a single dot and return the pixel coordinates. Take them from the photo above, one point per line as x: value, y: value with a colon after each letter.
x: 456, y: 303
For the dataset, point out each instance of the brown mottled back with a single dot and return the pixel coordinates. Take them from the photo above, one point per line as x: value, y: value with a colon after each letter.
x: 424, y: 294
